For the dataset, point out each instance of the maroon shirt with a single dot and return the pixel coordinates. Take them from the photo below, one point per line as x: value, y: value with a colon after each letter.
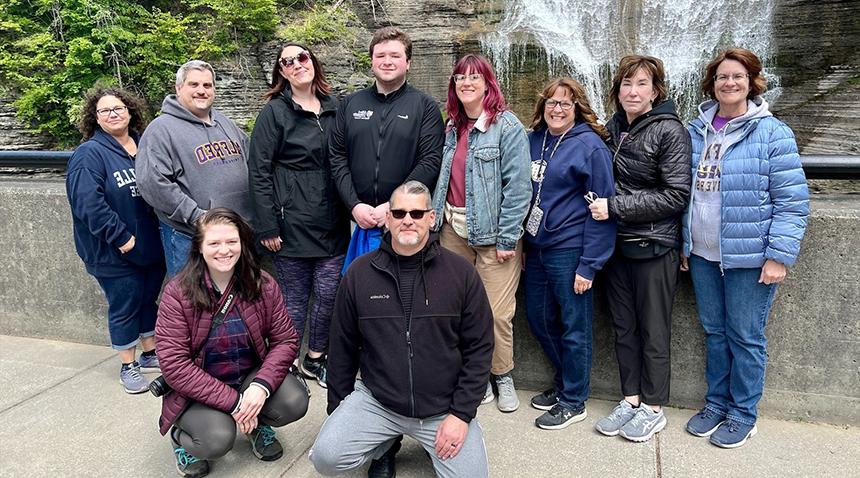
x: 457, y: 185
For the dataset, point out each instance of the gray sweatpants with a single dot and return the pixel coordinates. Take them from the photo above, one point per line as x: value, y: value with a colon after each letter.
x: 361, y: 429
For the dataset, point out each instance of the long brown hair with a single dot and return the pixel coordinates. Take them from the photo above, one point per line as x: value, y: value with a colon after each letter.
x: 627, y: 68
x: 758, y: 83
x: 88, y: 124
x: 248, y: 280
x: 582, y: 107
x: 320, y: 85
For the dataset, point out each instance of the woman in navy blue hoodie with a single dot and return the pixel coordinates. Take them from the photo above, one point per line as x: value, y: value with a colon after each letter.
x: 116, y: 232
x: 565, y: 246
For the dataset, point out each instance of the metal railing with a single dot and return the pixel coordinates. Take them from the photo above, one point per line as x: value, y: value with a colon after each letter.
x: 815, y: 166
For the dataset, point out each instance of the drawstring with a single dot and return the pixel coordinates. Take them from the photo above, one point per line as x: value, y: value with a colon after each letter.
x: 424, y: 281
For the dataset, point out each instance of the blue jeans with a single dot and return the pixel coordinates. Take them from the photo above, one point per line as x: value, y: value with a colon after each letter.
x: 561, y: 320
x: 177, y: 245
x: 132, y: 305
x: 733, y: 308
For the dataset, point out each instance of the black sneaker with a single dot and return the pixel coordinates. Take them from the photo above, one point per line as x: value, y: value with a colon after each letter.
x: 315, y: 369
x: 187, y: 464
x: 264, y: 444
x: 385, y: 466
x: 559, y: 417
x: 545, y: 400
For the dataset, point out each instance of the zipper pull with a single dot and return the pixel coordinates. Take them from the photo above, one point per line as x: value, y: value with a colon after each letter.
x: 409, y: 343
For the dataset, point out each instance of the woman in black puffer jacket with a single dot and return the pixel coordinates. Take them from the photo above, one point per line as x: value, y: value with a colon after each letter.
x: 651, y: 162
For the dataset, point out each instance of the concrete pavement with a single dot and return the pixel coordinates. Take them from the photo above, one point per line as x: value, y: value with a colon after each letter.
x: 63, y: 413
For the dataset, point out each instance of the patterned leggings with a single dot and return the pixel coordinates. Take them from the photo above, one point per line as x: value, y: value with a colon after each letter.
x: 297, y: 276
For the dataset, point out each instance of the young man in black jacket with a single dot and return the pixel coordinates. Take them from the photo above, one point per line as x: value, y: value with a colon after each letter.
x: 415, y: 319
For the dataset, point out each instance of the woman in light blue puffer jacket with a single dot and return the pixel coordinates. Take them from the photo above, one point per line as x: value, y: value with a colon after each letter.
x: 747, y: 216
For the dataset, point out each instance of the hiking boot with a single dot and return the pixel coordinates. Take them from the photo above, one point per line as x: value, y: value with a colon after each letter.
x: 131, y: 379
x: 559, y: 416
x: 508, y: 400
x: 264, y: 444
x: 611, y: 424
x: 704, y: 423
x: 488, y: 395
x: 385, y: 466
x: 187, y: 464
x: 148, y: 363
x: 644, y: 424
x: 315, y: 369
x: 732, y: 434
x: 545, y: 400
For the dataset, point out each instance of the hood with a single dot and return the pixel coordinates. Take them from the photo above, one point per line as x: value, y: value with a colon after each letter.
x: 757, y: 108
x: 578, y: 129
x: 112, y: 144
x: 664, y: 110
x: 171, y: 106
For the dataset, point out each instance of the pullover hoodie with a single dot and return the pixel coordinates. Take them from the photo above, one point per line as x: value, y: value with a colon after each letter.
x: 107, y: 209
x: 582, y: 163
x: 186, y: 166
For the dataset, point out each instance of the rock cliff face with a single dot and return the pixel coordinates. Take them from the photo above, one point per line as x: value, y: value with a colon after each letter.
x: 815, y: 43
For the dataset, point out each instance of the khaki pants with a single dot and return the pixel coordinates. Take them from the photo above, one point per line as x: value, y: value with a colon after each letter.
x: 500, y: 281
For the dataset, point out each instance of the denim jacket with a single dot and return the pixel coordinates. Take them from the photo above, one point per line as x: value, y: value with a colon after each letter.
x: 498, y: 183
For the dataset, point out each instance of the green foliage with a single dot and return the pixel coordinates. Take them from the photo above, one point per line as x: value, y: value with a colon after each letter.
x: 320, y: 24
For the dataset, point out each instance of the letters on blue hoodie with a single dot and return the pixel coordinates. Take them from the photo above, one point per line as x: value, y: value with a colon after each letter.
x: 107, y: 209
x: 581, y: 164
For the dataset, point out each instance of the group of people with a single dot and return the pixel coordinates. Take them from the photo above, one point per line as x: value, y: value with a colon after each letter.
x: 418, y: 300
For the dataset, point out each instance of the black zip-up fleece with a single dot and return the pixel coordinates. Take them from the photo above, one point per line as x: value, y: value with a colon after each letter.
x: 433, y: 362
x: 380, y: 141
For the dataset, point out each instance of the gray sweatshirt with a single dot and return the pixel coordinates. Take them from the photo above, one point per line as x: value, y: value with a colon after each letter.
x: 186, y: 166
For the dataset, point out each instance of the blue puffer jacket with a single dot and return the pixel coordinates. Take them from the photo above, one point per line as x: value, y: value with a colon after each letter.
x: 765, y: 201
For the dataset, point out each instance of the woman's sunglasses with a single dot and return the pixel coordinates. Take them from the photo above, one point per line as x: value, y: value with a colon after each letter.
x: 415, y: 213
x: 290, y: 61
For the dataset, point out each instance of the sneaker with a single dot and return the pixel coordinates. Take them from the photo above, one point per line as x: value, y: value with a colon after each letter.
x: 187, y: 464
x: 545, y: 400
x: 149, y: 363
x: 488, y: 395
x: 508, y: 400
x: 611, y: 424
x: 732, y: 434
x: 385, y: 466
x: 132, y: 380
x: 264, y: 444
x: 315, y: 369
x: 704, y: 423
x: 559, y: 417
x: 644, y: 424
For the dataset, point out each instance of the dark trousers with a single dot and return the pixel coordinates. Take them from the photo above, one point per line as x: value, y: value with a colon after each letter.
x: 640, y: 293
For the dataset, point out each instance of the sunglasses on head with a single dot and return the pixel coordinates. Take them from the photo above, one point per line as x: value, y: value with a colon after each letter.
x: 289, y: 62
x: 415, y: 213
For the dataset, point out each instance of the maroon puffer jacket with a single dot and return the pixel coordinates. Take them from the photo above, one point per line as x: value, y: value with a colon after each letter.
x: 182, y: 330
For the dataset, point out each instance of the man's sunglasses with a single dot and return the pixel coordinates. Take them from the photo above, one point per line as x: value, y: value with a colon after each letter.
x: 415, y: 213
x: 289, y: 62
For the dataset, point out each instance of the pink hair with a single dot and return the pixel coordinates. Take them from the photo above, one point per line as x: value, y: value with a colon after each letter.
x: 494, y: 100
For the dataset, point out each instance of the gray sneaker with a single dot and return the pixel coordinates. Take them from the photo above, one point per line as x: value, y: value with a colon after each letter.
x: 148, y: 364
x: 132, y: 380
x: 612, y: 423
x: 488, y: 395
x: 643, y: 425
x: 508, y: 400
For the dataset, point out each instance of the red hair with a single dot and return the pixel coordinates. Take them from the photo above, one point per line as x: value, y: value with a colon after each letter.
x: 494, y: 100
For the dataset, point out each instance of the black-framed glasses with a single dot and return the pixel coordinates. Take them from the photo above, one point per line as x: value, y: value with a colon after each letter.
x: 290, y: 61
x: 473, y: 77
x: 117, y: 110
x: 551, y: 104
x: 737, y: 77
x: 414, y: 214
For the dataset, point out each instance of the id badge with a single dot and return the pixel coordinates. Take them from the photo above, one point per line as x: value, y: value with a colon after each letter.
x: 533, y: 224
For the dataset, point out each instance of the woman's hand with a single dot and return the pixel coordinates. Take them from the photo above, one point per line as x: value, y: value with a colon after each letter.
x: 772, y: 272
x: 127, y: 246
x: 273, y: 243
x: 599, y: 209
x: 253, y: 399
x: 581, y: 284
x: 685, y: 263
x: 504, y: 256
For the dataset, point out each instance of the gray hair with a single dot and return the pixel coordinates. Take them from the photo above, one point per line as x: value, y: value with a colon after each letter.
x: 201, y: 65
x: 416, y: 188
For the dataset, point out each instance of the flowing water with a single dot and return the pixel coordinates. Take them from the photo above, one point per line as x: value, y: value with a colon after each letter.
x: 586, y: 38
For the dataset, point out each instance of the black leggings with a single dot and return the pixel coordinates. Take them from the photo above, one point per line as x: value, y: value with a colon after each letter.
x: 207, y: 433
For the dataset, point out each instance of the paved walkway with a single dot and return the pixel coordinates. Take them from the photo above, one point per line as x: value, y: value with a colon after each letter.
x: 63, y: 414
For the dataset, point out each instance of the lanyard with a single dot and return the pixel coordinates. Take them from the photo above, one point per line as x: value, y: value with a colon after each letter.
x: 543, y: 164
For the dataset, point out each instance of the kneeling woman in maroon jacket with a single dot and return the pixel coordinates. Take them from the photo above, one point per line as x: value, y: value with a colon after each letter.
x: 225, y: 344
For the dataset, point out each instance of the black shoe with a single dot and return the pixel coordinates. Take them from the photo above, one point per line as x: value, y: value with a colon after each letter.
x: 384, y: 466
x: 545, y: 400
x: 315, y: 369
x: 559, y: 417
x: 187, y: 464
x: 264, y: 444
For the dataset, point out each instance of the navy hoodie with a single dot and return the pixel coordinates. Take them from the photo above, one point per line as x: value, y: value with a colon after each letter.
x: 107, y: 209
x: 581, y: 164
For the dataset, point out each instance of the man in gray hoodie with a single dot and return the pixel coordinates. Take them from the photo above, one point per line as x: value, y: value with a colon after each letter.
x: 190, y: 159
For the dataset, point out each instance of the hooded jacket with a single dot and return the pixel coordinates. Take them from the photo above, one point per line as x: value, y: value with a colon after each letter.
x: 764, y: 200
x: 652, y: 174
x: 581, y: 164
x: 107, y: 209
x: 187, y: 166
x: 432, y: 362
x: 291, y: 182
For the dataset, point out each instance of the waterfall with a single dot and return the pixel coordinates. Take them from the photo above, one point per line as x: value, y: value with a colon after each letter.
x: 585, y: 39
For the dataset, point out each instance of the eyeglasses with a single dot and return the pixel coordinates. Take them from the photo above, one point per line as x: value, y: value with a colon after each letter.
x: 414, y: 214
x: 551, y: 104
x: 473, y: 77
x: 290, y: 61
x: 117, y: 110
x: 736, y: 77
